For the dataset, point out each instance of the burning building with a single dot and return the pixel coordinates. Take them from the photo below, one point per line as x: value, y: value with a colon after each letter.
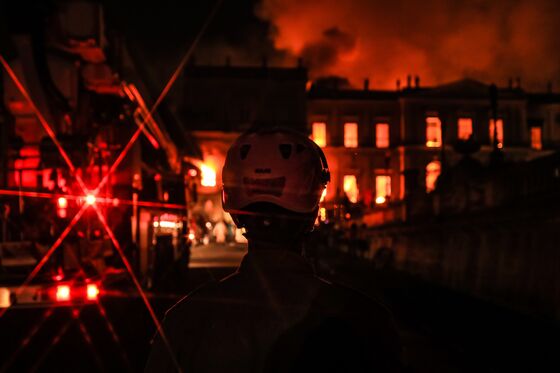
x: 385, y: 146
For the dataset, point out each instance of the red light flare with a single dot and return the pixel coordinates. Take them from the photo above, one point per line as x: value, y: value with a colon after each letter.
x: 25, y: 341
x: 162, y: 95
x: 87, y: 338
x: 114, y: 334
x: 62, y: 202
x: 63, y: 293
x: 55, y: 341
x: 90, y: 199
x: 48, y: 254
x: 8, y: 192
x: 92, y: 291
x: 142, y: 203
x: 43, y: 121
x: 101, y: 184
x: 132, y: 92
x: 138, y: 287
x: 103, y: 313
x: 107, y: 200
x: 119, y: 159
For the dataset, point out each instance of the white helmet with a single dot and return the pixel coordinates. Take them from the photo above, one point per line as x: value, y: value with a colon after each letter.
x: 275, y: 165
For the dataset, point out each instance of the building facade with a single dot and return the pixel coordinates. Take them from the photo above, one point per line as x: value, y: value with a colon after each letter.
x: 385, y: 146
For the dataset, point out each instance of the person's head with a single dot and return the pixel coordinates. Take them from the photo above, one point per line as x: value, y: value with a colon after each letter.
x: 273, y: 180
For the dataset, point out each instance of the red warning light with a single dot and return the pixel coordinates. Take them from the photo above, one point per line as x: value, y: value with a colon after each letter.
x: 92, y: 291
x: 90, y: 199
x: 63, y: 293
x: 62, y: 203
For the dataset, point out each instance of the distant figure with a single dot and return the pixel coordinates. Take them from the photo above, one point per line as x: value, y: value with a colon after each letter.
x: 220, y: 232
x: 274, y: 314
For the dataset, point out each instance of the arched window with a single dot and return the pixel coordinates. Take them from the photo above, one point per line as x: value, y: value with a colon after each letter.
x: 433, y: 169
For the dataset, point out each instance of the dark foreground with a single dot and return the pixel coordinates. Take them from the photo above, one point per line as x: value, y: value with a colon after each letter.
x: 441, y: 331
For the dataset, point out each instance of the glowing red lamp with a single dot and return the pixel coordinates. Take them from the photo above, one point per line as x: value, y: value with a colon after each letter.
x: 92, y: 291
x: 62, y: 203
x: 90, y: 199
x: 63, y: 293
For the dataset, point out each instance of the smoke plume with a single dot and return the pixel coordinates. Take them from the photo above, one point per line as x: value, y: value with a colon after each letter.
x: 439, y: 40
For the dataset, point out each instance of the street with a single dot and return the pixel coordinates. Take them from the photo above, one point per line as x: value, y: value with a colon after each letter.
x: 216, y: 255
x: 441, y: 331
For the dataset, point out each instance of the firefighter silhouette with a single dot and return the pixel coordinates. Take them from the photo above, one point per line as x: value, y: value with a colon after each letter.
x: 274, y: 314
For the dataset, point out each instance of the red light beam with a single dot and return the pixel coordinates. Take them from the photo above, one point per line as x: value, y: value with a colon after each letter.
x: 7, y: 192
x: 42, y: 120
x: 138, y: 287
x: 114, y: 334
x: 47, y: 255
x: 55, y: 341
x: 118, y: 160
x: 25, y: 342
x: 89, y: 343
x: 162, y: 95
x: 103, y: 313
x: 105, y: 200
x: 141, y: 203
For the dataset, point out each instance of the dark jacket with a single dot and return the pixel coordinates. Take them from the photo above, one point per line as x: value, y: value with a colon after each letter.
x: 275, y: 315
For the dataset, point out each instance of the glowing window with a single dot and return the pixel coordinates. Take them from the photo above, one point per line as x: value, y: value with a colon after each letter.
x: 351, y: 135
x: 433, y: 132
x: 382, y: 135
x: 536, y: 138
x: 499, y: 130
x: 208, y: 176
x: 464, y: 128
x: 351, y: 188
x: 319, y: 133
x: 382, y: 188
x: 433, y: 169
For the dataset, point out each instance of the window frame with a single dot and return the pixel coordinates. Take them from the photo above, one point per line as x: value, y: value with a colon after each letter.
x: 387, y: 143
x: 468, y: 121
x: 437, y: 143
x: 323, y: 125
x: 351, y: 141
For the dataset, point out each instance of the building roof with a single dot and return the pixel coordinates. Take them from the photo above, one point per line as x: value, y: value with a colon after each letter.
x: 460, y: 89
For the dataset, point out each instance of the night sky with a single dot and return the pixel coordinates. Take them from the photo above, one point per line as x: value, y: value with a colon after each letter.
x: 163, y: 32
x: 439, y: 40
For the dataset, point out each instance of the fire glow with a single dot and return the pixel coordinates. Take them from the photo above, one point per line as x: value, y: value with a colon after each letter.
x: 389, y: 40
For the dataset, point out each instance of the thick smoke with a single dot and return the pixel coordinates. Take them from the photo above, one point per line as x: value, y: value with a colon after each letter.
x: 439, y: 40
